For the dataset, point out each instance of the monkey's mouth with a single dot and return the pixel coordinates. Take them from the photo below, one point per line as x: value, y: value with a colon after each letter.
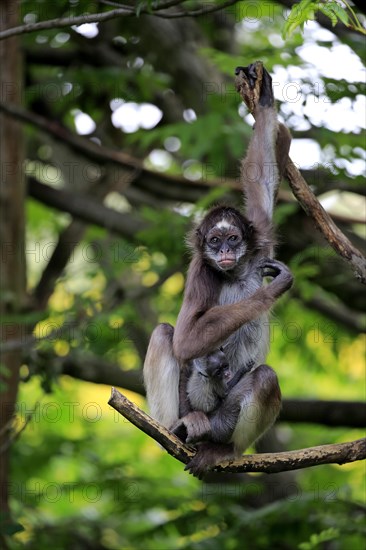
x: 226, y: 263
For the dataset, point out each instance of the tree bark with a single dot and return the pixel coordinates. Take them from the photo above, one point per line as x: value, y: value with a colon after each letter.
x: 267, y: 462
x: 12, y: 266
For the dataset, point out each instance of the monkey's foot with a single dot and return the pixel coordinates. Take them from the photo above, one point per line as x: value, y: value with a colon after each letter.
x: 208, y: 454
x: 282, y: 277
x: 254, y: 84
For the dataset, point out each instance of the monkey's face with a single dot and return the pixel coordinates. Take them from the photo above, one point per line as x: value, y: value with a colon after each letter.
x: 224, y: 238
x: 215, y: 367
x: 224, y: 245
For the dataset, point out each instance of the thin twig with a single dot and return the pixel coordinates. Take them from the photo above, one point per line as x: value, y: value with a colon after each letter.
x: 269, y: 463
x: 194, y: 13
x: 126, y: 11
x: 61, y: 22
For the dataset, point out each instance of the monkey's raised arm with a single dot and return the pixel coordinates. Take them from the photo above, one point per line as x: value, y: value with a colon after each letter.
x: 264, y: 163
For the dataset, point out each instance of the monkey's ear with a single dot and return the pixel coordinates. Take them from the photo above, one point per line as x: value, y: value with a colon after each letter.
x: 200, y: 238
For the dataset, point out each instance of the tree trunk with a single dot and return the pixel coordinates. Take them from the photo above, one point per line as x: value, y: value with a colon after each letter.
x: 12, y: 265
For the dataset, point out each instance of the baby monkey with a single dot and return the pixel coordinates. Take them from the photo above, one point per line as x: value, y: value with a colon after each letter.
x: 211, y: 379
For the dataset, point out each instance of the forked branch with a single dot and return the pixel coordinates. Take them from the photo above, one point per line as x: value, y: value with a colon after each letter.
x: 269, y: 462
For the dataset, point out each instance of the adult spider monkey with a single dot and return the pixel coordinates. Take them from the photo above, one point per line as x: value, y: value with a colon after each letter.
x: 225, y: 301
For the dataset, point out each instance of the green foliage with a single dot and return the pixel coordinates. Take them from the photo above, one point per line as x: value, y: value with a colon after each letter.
x: 156, y: 238
x: 316, y: 539
x: 306, y: 10
x: 83, y: 477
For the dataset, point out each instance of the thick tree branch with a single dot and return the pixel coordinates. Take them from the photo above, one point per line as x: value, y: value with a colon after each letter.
x: 86, y: 209
x: 337, y: 311
x: 350, y: 414
x: 151, y: 427
x: 173, y: 187
x: 269, y: 463
x: 78, y: 144
x: 324, y: 223
x: 90, y: 368
x: 106, y: 156
x: 96, y: 370
x: 66, y: 244
x: 89, y: 210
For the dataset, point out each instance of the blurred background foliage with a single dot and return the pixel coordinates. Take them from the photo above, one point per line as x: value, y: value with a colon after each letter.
x: 161, y: 91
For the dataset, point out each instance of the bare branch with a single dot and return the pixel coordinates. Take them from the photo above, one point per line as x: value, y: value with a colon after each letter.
x: 60, y: 22
x: 151, y: 427
x: 173, y: 187
x: 335, y: 413
x: 125, y: 11
x: 157, y: 7
x: 87, y: 209
x: 267, y: 462
x: 80, y: 145
x: 194, y: 13
x: 272, y: 463
x: 324, y: 223
x: 326, y: 412
x: 351, y: 319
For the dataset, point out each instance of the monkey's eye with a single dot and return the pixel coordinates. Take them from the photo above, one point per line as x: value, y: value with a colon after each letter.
x: 233, y: 238
x: 214, y: 240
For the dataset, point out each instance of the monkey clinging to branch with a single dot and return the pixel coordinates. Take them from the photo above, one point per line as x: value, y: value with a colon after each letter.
x: 226, y: 303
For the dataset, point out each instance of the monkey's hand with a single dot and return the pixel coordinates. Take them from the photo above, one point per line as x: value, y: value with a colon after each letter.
x: 208, y: 454
x: 282, y: 277
x: 193, y: 427
x: 254, y: 84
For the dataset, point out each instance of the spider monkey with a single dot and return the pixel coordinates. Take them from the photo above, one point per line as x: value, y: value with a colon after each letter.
x: 227, y: 304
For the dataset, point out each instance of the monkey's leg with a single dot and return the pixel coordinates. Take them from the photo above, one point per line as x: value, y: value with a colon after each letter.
x: 247, y: 412
x: 249, y: 409
x: 161, y: 376
x: 259, y: 395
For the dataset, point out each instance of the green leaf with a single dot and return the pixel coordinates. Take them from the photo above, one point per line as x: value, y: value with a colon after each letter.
x: 317, y: 538
x: 299, y: 14
x: 341, y: 13
x: 328, y: 11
